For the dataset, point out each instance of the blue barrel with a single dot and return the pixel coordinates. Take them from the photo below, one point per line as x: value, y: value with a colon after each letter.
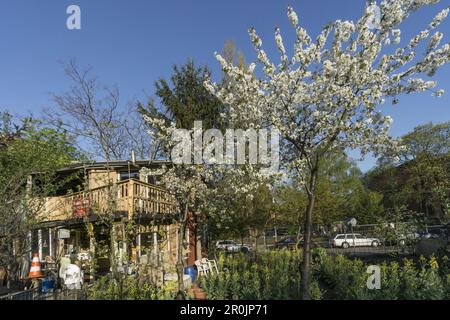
x: 191, y: 272
x: 47, y: 285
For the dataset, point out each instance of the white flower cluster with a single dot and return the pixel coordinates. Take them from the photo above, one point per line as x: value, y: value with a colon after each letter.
x: 439, y: 18
x: 396, y: 33
x: 326, y: 96
x: 292, y: 15
x: 329, y: 93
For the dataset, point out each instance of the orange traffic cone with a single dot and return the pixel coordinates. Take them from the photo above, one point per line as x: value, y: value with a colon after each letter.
x: 35, y: 271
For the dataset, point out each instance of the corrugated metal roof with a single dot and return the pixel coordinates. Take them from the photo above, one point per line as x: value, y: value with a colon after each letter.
x: 111, y: 164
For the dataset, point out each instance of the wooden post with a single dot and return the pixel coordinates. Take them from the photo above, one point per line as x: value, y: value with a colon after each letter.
x: 131, y: 195
x: 138, y: 240
x: 125, y: 241
x: 50, y: 242
x: 40, y: 244
x: 92, y: 251
x: 176, y: 242
x: 30, y: 246
x: 198, y: 247
x: 168, y: 238
x: 155, y: 245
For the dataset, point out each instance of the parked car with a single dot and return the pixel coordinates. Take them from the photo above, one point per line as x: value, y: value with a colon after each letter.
x: 280, y: 232
x: 407, y: 239
x: 435, y: 233
x: 430, y: 234
x: 401, y: 239
x: 288, y: 242
x: 232, y: 246
x: 354, y: 240
x: 291, y: 242
x: 225, y: 245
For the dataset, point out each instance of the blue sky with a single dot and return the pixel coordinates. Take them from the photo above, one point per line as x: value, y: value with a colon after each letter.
x: 132, y: 43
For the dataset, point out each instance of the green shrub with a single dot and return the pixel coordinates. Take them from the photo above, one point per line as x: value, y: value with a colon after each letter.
x: 106, y: 288
x: 273, y: 275
x: 276, y: 275
x: 346, y: 279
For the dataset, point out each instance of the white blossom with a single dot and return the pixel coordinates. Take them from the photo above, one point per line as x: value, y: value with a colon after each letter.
x: 396, y: 33
x: 439, y: 93
x: 439, y: 18
x: 434, y: 41
x: 330, y: 94
x: 256, y: 40
x: 292, y: 16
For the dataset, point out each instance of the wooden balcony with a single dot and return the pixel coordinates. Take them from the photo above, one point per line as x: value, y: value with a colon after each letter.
x: 131, y: 196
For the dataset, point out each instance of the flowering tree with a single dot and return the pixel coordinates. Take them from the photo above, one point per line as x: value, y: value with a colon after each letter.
x: 197, y: 176
x: 197, y: 188
x: 326, y: 96
x: 187, y: 185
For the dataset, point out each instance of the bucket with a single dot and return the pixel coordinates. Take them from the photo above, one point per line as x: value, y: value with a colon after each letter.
x: 47, y: 285
x: 191, y: 272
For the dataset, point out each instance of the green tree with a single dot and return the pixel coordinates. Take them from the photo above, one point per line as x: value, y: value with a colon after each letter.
x: 242, y: 215
x: 420, y: 179
x: 340, y: 195
x: 184, y: 99
x: 430, y: 139
x: 27, y: 148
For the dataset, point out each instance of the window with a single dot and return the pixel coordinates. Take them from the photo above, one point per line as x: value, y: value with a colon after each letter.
x: 147, y: 239
x: 45, y: 236
x: 153, y: 180
x: 125, y: 175
x: 358, y: 236
x: 41, y: 243
x: 34, y: 242
x: 340, y: 237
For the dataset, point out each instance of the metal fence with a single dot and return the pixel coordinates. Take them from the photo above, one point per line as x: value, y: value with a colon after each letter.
x: 32, y: 294
x: 434, y: 237
x: 36, y: 294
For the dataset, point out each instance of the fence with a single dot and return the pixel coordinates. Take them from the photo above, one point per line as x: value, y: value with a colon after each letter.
x: 32, y: 294
x: 393, y: 240
x: 35, y: 294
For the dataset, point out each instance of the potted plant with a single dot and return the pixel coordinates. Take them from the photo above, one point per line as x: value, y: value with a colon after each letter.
x: 199, y: 293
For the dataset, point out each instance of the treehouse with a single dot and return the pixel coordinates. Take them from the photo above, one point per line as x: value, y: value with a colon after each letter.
x: 102, y: 206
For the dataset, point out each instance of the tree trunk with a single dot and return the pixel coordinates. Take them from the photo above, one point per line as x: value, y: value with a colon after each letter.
x: 113, y: 259
x: 305, y: 269
x: 92, y: 253
x: 180, y: 260
x: 299, y: 230
x: 9, y: 268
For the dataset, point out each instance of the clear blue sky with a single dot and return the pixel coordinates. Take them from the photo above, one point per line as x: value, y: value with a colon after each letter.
x: 133, y: 43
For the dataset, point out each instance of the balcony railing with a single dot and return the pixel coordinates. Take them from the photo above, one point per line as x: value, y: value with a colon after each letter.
x: 131, y: 196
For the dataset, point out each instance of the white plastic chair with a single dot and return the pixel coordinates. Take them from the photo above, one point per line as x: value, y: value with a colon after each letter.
x: 200, y: 268
x: 213, y: 264
x: 206, y: 265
